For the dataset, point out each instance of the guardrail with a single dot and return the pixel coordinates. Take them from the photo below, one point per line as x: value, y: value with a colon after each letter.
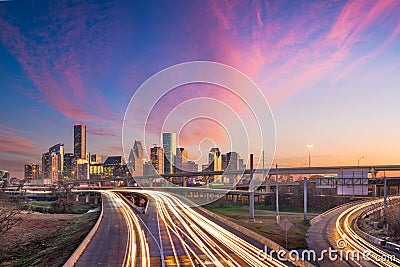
x: 372, y: 239
x: 326, y: 213
x: 78, y: 252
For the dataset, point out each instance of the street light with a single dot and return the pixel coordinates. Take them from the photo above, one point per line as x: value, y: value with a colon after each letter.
x: 309, y: 146
x: 358, y: 162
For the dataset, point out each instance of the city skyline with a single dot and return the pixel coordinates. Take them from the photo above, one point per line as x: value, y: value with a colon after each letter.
x: 58, y: 165
x: 330, y: 79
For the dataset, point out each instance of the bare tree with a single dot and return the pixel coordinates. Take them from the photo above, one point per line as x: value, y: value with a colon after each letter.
x: 393, y: 219
x: 9, y: 213
x: 64, y: 203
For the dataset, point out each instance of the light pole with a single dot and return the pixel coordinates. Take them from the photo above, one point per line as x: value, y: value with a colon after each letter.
x: 358, y: 162
x: 309, y: 146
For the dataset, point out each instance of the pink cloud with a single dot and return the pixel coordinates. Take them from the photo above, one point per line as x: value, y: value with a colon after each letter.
x: 289, y: 50
x: 65, y: 58
x: 102, y: 131
x: 11, y: 142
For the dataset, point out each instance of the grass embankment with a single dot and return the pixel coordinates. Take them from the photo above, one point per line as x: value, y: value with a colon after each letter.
x: 44, y: 239
x: 48, y: 207
x: 367, y: 225
x: 265, y: 222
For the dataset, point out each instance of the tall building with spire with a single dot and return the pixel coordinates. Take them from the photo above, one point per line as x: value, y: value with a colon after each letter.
x: 135, y: 160
x: 80, y: 141
x: 169, y: 145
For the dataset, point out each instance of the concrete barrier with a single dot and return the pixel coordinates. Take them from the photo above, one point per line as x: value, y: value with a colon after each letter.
x: 259, y: 238
x: 78, y: 252
x: 326, y: 213
x: 372, y: 239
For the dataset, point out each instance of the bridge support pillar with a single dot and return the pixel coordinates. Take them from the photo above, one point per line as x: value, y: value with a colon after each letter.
x: 87, y: 198
x: 96, y: 200
x: 234, y: 198
x: 374, y: 190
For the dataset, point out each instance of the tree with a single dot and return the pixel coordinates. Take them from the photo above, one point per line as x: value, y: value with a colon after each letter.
x: 64, y: 203
x: 9, y: 213
x: 393, y: 219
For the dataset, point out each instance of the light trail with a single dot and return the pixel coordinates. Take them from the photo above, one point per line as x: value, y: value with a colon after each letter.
x: 203, y: 241
x: 135, y: 232
x: 344, y: 227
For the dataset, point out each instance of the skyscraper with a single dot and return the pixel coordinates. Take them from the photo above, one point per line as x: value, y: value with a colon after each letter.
x: 181, y: 160
x: 192, y: 166
x: 157, y: 158
x: 82, y: 169
x: 80, y: 141
x: 232, y: 159
x: 114, y: 167
x: 169, y: 145
x: 46, y: 165
x: 54, y: 167
x: 31, y: 171
x: 69, y: 165
x: 58, y: 149
x: 215, y: 159
x: 148, y: 168
x: 215, y: 162
x: 135, y: 160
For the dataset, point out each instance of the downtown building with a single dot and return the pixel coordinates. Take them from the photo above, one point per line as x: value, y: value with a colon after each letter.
x: 96, y: 166
x: 80, y: 141
x: 58, y: 149
x: 31, y: 172
x: 157, y: 159
x: 69, y: 166
x: 215, y: 163
x: 114, y: 167
x: 135, y: 159
x: 192, y: 166
x: 80, y: 162
x: 50, y: 168
x: 181, y: 160
x: 169, y: 145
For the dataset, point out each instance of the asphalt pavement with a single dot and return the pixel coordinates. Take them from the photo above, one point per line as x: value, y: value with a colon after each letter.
x: 108, y: 245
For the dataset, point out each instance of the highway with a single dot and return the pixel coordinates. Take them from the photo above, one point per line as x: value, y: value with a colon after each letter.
x: 108, y: 245
x: 170, y: 234
x: 335, y: 230
x: 198, y: 241
x: 352, y: 241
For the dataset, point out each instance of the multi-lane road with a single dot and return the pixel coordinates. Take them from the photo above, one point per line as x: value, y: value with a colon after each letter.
x: 170, y: 234
x: 334, y: 233
x: 108, y: 245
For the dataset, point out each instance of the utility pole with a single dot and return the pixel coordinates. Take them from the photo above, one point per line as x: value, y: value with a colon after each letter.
x: 263, y: 172
x: 305, y: 199
x: 384, y: 194
x: 277, y: 196
x: 384, y: 200
x: 251, y: 198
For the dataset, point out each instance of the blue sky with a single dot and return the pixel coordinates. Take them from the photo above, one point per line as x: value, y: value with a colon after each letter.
x: 330, y: 71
